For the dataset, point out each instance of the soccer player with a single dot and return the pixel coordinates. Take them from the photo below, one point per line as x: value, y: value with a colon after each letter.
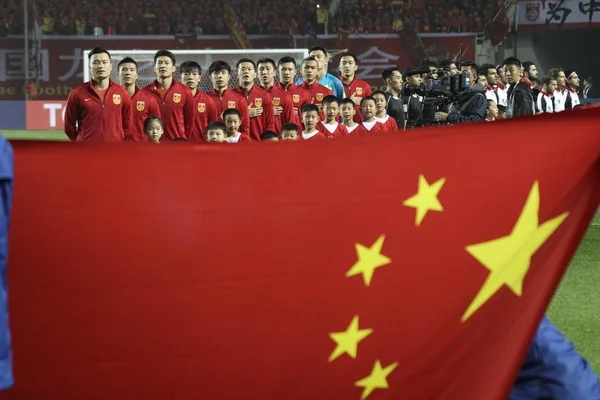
x: 216, y: 132
x: 331, y: 128
x: 389, y: 124
x: 572, y: 81
x: 392, y: 77
x: 143, y: 105
x: 317, y: 91
x: 99, y: 110
x: 354, y: 88
x: 545, y: 99
x: 283, y: 107
x: 323, y: 77
x: 225, y: 98
x: 494, y: 90
x: 310, y: 118
x: 233, y: 120
x: 154, y: 128
x: 287, y: 74
x: 368, y: 110
x: 205, y: 110
x: 175, y: 99
x: 348, y: 111
x: 260, y: 106
x: 289, y: 132
x: 561, y: 93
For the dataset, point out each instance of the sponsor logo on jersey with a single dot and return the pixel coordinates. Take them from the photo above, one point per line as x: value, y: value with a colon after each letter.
x: 276, y: 101
x: 359, y: 91
x: 319, y: 96
x: 140, y: 105
x: 258, y: 102
x: 296, y: 98
x: 117, y: 99
x: 201, y: 107
x: 231, y: 104
x: 176, y: 97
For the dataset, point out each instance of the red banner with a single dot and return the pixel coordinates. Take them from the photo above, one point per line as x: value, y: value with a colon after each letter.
x: 61, y: 59
x: 45, y: 115
x: 424, y: 280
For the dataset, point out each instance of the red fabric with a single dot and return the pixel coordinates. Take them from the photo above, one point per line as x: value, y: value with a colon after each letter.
x: 280, y: 98
x: 143, y: 105
x: 300, y: 97
x: 390, y: 125
x: 149, y: 301
x: 256, y: 98
x: 205, y: 112
x: 231, y: 99
x: 87, y: 118
x: 359, y: 88
x: 317, y: 92
x: 377, y: 128
x: 318, y: 136
x: 360, y: 130
x: 100, y: 93
x: 177, y: 109
x: 340, y: 131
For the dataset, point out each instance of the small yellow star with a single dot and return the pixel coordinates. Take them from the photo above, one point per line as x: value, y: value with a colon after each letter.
x: 377, y: 379
x: 369, y: 259
x: 347, y: 342
x: 426, y: 198
x: 508, y: 258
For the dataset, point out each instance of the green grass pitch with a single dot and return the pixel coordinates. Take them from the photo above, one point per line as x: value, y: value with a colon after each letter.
x: 574, y: 307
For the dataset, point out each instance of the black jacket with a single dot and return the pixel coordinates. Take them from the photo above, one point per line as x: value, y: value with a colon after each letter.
x: 474, y: 105
x: 521, y: 101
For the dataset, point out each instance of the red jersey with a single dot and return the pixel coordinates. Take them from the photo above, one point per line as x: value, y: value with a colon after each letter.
x: 205, y: 112
x: 317, y: 92
x: 316, y: 135
x: 240, y: 139
x: 280, y: 98
x: 332, y: 131
x: 373, y: 127
x: 300, y: 97
x: 357, y: 130
x: 144, y: 105
x: 177, y: 109
x: 258, y: 97
x: 89, y: 116
x: 230, y: 99
x: 358, y: 88
x: 389, y: 124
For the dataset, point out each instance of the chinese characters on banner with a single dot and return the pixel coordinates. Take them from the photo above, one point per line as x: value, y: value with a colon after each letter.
x: 540, y: 14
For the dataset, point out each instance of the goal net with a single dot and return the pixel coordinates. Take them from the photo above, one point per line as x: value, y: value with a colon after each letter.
x: 145, y: 60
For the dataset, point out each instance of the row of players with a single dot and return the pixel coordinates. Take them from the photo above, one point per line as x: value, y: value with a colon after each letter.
x: 104, y: 110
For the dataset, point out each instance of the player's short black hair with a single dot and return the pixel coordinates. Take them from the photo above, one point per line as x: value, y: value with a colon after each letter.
x: 245, y: 60
x: 346, y: 100
x: 512, y: 61
x: 319, y: 48
x: 179, y: 139
x: 216, y: 126
x: 484, y: 69
x: 286, y: 60
x: 548, y: 79
x: 267, y: 135
x: 429, y: 64
x: 468, y: 64
x: 366, y: 98
x: 151, y: 119
x: 266, y: 61
x: 290, y: 126
x: 569, y: 73
x: 218, y: 66
x: 387, y: 73
x: 127, y: 60
x: 231, y: 111
x: 309, y: 108
x: 446, y: 63
x: 381, y: 92
x: 329, y: 100
x: 527, y: 65
x: 189, y: 67
x: 309, y: 59
x: 98, y: 50
x: 555, y: 72
x: 164, y: 53
x: 348, y: 54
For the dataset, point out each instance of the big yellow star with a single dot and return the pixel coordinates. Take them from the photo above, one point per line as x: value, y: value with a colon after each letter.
x: 347, y: 342
x: 508, y: 258
x: 426, y: 198
x: 377, y: 379
x: 369, y: 259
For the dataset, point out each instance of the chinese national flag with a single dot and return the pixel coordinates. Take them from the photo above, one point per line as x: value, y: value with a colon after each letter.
x: 413, y: 266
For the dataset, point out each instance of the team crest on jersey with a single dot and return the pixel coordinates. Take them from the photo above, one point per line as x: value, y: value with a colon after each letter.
x: 296, y: 98
x: 140, y: 105
x: 258, y: 102
x: 359, y: 91
x: 231, y: 104
x: 319, y: 96
x: 117, y: 99
x: 176, y: 97
x: 276, y: 101
x: 201, y: 107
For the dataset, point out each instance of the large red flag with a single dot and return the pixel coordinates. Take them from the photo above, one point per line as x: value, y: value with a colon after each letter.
x: 413, y: 266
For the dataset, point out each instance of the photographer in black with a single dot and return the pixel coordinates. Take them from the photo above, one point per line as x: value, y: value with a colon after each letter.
x: 412, y: 97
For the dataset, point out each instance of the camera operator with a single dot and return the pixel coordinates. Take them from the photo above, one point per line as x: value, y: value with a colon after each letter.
x: 472, y: 102
x: 412, y: 97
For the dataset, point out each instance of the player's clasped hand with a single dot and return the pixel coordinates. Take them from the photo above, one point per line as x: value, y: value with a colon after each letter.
x: 255, y: 111
x: 277, y: 110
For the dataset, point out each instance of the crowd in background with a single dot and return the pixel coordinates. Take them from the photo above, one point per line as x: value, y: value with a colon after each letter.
x: 175, y: 17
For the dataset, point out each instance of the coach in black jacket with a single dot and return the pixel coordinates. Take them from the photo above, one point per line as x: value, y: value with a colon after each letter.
x: 520, y: 97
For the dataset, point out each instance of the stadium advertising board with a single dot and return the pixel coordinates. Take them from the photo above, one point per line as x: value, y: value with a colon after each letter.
x: 544, y: 14
x: 45, y: 115
x: 61, y: 58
